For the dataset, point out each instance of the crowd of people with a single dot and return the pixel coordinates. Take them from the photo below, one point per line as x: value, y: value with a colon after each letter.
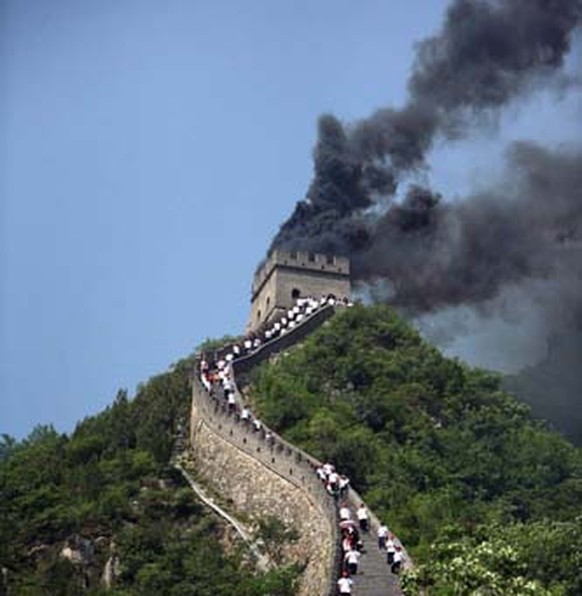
x: 302, y: 309
x: 351, y: 529
x: 218, y: 379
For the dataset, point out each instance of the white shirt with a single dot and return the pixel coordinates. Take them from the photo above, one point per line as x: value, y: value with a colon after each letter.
x: 398, y: 556
x: 390, y: 545
x: 345, y: 513
x: 382, y: 531
x: 353, y: 556
x: 328, y: 468
x: 333, y: 478
x: 362, y: 513
x: 345, y: 585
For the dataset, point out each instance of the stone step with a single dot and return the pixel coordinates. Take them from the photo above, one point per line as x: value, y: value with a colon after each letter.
x: 374, y: 577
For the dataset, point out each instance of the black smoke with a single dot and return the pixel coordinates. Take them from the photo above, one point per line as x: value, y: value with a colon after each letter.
x: 432, y: 254
x: 500, y: 254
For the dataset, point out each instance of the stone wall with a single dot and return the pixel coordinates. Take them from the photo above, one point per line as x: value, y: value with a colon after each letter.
x: 242, y: 366
x: 287, y: 275
x: 268, y: 478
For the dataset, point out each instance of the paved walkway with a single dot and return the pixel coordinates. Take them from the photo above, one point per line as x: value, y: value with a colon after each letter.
x: 374, y: 577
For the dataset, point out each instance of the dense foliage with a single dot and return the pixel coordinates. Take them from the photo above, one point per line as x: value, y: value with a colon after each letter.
x: 484, y: 497
x: 108, y: 490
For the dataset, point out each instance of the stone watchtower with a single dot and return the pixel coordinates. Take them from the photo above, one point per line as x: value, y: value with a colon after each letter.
x: 288, y: 275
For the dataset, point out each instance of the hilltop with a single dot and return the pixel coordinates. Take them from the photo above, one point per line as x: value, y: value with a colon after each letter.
x: 482, y: 495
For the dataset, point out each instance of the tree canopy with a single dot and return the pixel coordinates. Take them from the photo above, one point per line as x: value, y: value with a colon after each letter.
x: 454, y: 464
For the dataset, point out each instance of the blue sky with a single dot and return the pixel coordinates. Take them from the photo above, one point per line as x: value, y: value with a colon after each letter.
x: 150, y: 150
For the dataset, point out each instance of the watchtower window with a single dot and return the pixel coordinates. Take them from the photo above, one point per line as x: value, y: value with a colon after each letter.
x: 311, y: 257
x: 295, y: 293
x: 268, y: 301
x: 293, y: 254
x: 259, y: 316
x: 330, y: 259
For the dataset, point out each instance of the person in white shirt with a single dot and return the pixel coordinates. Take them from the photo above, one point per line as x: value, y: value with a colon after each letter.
x: 362, y: 515
x: 390, y: 549
x: 397, y: 562
x: 328, y: 468
x: 344, y: 584
x: 333, y: 482
x: 352, y: 558
x: 382, y: 534
x: 345, y: 513
x: 245, y: 414
x: 227, y: 387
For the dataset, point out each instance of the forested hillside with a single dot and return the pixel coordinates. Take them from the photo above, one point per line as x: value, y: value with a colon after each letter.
x: 104, y: 501
x: 486, y: 500
x: 484, y: 497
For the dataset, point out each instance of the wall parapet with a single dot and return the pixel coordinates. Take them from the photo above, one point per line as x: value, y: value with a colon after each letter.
x: 244, y: 364
x: 274, y: 453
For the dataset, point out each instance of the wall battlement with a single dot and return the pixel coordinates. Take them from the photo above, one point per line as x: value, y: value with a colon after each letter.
x: 300, y: 260
x: 261, y: 477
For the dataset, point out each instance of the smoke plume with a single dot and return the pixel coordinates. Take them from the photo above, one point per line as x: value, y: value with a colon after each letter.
x: 425, y: 252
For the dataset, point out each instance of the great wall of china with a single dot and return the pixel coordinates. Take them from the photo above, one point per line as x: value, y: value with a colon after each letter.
x: 259, y: 478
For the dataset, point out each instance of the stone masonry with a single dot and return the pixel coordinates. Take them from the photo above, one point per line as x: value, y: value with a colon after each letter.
x: 267, y: 480
x: 287, y: 275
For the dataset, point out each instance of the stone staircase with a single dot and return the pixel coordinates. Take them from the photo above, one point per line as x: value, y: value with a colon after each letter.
x: 374, y: 577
